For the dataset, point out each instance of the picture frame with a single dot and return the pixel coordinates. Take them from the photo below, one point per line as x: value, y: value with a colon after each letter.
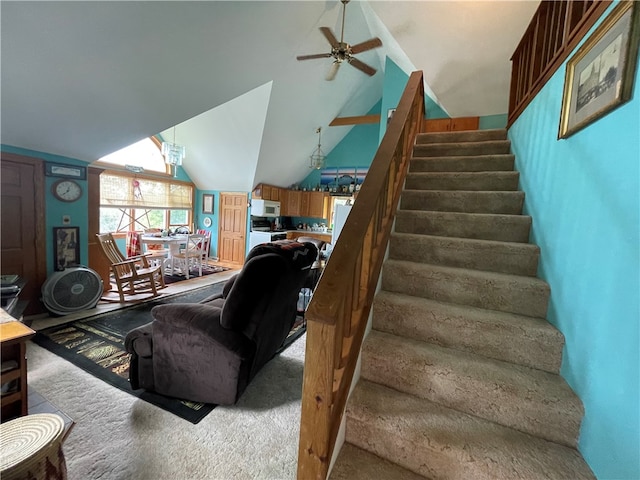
x: 66, y: 248
x: 65, y: 171
x: 600, y: 75
x: 207, y: 203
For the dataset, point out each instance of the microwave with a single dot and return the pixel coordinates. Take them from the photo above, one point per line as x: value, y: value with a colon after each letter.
x: 265, y: 208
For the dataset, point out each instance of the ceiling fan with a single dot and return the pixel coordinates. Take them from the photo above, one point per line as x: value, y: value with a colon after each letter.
x: 343, y: 52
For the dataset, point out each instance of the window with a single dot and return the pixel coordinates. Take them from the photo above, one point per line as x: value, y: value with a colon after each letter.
x: 145, y: 153
x: 130, y: 202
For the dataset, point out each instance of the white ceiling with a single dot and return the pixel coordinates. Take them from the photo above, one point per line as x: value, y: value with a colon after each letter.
x: 83, y: 79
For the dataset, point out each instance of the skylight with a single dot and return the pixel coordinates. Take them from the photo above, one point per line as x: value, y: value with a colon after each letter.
x: 145, y: 153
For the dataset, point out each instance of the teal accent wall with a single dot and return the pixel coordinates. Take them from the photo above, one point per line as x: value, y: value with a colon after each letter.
x: 55, y: 209
x: 395, y: 81
x: 356, y: 149
x: 582, y: 193
x: 489, y: 122
x: 199, y: 218
x: 432, y: 109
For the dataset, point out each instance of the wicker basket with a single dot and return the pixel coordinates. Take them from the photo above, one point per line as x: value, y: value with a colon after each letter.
x: 31, y: 448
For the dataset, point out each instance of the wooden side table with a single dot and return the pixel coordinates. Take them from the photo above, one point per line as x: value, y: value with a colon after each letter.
x: 13, y: 372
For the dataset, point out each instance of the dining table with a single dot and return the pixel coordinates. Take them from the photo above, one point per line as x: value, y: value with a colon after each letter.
x: 173, y: 242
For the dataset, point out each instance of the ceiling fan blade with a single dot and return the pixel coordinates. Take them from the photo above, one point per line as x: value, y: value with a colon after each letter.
x: 335, y: 66
x: 362, y: 66
x: 368, y: 45
x: 311, y: 57
x: 333, y: 41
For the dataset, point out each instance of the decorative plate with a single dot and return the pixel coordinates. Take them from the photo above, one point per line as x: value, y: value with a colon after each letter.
x: 207, y: 222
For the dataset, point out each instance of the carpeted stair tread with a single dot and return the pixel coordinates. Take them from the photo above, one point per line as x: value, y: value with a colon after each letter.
x: 354, y: 463
x: 509, y: 203
x: 462, y: 148
x: 529, y: 400
x: 442, y: 443
x: 482, y: 226
x: 523, y: 340
x: 486, y: 255
x: 467, y: 163
x: 469, y: 181
x: 462, y: 136
x: 490, y: 290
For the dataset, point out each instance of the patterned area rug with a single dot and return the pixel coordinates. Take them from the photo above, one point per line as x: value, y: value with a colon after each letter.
x: 206, y: 270
x: 96, y: 344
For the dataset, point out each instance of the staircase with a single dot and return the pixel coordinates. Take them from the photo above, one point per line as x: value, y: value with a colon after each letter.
x: 460, y: 375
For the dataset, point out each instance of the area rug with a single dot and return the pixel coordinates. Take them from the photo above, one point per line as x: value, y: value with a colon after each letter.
x: 96, y: 344
x: 206, y: 270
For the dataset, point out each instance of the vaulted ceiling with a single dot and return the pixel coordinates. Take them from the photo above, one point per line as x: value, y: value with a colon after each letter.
x: 83, y: 79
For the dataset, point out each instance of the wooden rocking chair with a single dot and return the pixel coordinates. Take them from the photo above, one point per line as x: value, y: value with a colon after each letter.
x: 131, y: 275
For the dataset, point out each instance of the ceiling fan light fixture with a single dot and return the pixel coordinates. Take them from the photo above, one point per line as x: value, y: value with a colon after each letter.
x: 342, y: 51
x: 317, y: 158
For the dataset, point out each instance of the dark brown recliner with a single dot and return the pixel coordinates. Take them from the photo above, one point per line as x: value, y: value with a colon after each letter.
x: 209, y: 351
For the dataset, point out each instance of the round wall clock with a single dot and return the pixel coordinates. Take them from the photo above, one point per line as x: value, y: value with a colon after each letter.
x: 207, y: 222
x: 66, y: 190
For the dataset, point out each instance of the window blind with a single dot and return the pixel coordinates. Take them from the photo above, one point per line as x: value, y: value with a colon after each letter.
x: 123, y: 191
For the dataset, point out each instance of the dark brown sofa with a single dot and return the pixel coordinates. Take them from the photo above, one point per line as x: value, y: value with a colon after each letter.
x: 210, y: 351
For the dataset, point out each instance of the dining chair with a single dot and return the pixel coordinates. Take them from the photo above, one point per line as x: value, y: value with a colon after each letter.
x: 207, y: 244
x: 191, y: 255
x: 132, y: 275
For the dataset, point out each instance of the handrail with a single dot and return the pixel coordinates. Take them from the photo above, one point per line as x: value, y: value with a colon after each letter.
x: 339, y: 310
x: 553, y: 33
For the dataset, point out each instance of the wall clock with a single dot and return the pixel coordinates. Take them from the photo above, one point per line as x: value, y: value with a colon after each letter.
x: 66, y: 190
x: 207, y: 222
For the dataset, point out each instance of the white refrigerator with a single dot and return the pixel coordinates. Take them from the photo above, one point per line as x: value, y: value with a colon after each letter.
x: 340, y: 214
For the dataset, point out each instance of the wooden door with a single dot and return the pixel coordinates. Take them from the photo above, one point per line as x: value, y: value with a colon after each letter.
x: 23, y: 244
x: 232, y: 235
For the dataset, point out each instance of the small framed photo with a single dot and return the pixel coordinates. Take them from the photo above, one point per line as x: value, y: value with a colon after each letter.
x: 66, y: 249
x: 207, y: 203
x: 600, y: 75
x: 66, y: 171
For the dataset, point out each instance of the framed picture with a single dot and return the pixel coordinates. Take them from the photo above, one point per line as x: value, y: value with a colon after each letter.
x: 600, y: 75
x: 207, y: 203
x: 66, y: 250
x: 66, y: 171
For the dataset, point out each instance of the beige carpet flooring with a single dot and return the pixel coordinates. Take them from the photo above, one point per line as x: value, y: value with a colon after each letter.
x: 117, y: 436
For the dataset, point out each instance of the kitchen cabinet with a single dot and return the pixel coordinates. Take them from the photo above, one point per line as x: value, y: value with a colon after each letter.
x: 317, y: 205
x: 304, y: 204
x: 266, y: 192
x: 294, y: 203
x: 451, y: 124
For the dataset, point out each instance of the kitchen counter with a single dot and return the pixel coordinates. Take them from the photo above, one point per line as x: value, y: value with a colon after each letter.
x: 293, y: 234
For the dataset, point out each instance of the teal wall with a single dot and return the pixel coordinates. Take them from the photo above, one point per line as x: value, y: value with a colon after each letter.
x: 582, y: 193
x: 55, y: 209
x: 356, y: 149
x: 199, y: 218
x: 395, y: 81
x: 489, y: 122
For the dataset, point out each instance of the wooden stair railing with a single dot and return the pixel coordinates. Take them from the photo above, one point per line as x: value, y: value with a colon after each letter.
x: 339, y: 310
x: 554, y: 31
